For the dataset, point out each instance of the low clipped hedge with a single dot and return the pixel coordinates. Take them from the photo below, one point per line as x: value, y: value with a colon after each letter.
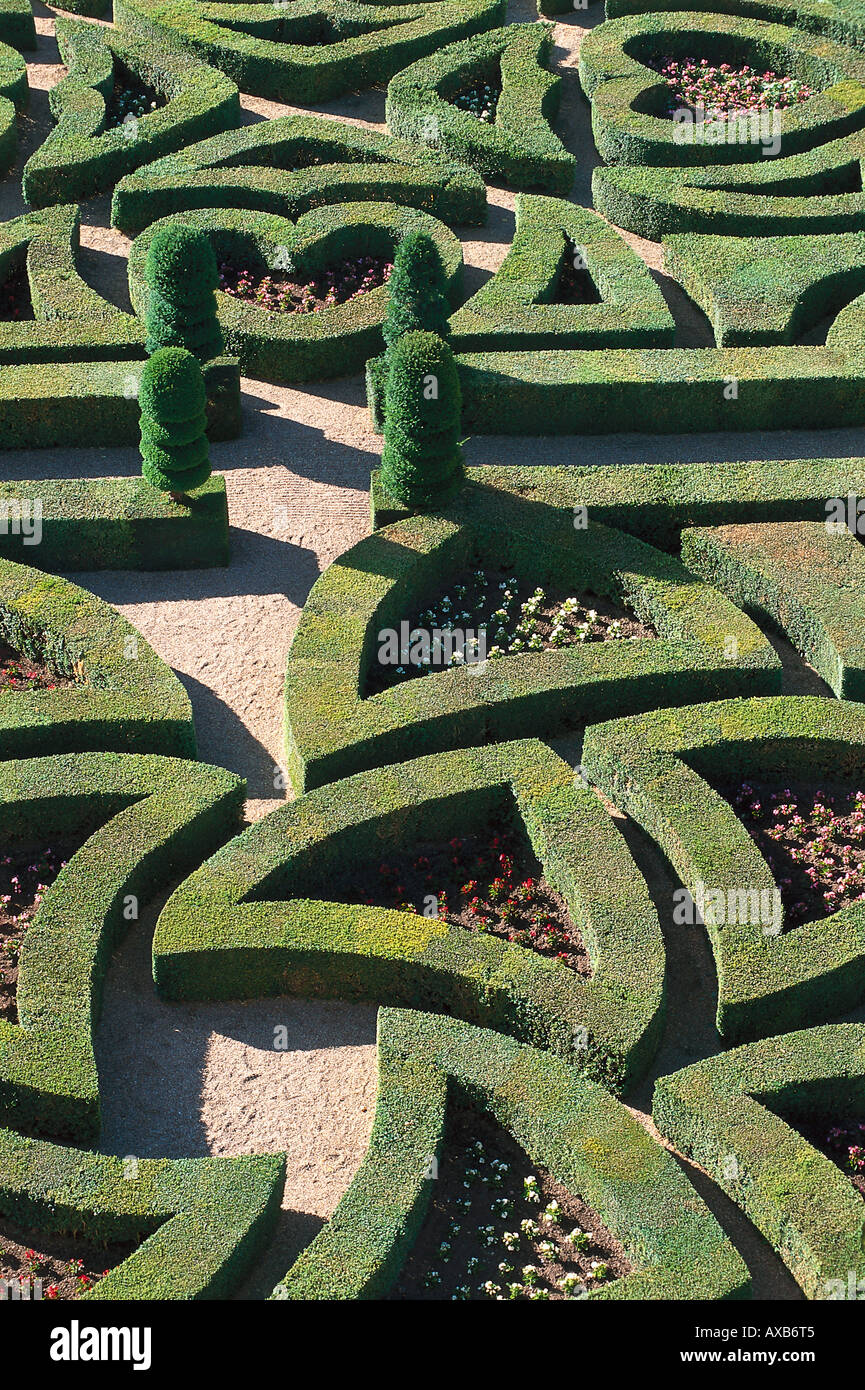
x: 309, y: 52
x: 252, y: 922
x: 513, y: 309
x: 17, y: 25
x: 202, y: 1221
x: 566, y: 1123
x: 333, y: 728
x: 808, y: 578
x: 126, y: 697
x: 114, y: 523
x: 842, y: 22
x: 655, y: 501
x: 71, y: 323
x: 735, y: 1115
x: 520, y: 146
x: 660, y: 768
x: 81, y: 157
x: 14, y: 94
x: 292, y: 164
x: 153, y: 819
x: 771, y: 289
x: 629, y: 99
x: 79, y: 404
x: 292, y: 346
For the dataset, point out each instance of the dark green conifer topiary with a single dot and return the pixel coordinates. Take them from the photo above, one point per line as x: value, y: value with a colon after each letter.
x: 181, y: 277
x: 172, y: 397
x: 421, y: 463
x: 417, y: 290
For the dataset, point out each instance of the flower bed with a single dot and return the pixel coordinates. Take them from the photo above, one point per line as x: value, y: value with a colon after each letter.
x: 500, y: 1227
x: 812, y: 840
x: 697, y: 84
x: 15, y: 302
x: 479, y: 99
x: 66, y: 1267
x: 575, y: 285
x: 131, y: 98
x: 18, y: 672
x: 491, y: 614
x: 491, y: 882
x: 280, y: 294
x: 24, y: 876
x: 845, y: 1145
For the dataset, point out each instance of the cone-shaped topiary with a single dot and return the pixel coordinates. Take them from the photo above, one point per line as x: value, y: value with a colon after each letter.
x: 172, y: 397
x: 181, y: 277
x: 417, y: 298
x: 421, y: 464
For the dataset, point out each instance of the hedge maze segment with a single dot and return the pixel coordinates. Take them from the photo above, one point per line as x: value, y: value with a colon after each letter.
x: 333, y: 727
x: 659, y: 768
x: 734, y: 1115
x: 158, y: 817
x: 292, y: 164
x: 251, y: 921
x: 310, y: 52
x: 564, y: 1121
x: 519, y: 146
x: 808, y: 579
x: 303, y: 347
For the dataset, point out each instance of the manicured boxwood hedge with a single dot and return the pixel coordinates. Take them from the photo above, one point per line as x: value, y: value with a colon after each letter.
x: 629, y: 99
x: 115, y: 523
x: 656, y: 500
x: 808, y: 578
x: 153, y: 818
x: 308, y: 52
x: 252, y: 922
x: 520, y: 146
x: 658, y: 768
x: 844, y: 22
x: 76, y: 404
x: 771, y: 289
x: 17, y: 25
x: 14, y: 93
x: 565, y: 1122
x: 202, y: 1221
x: 734, y: 1114
x: 292, y: 164
x: 128, y: 699
x: 512, y: 309
x: 333, y: 727
x: 81, y: 157
x: 72, y: 323
x: 303, y: 347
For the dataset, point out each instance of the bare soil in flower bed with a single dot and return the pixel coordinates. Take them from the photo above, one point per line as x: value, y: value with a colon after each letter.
x: 16, y: 306
x: 500, y: 1227
x: 813, y: 839
x: 18, y: 672
x: 24, y: 875
x: 514, y: 618
x: 575, y: 284
x: 66, y: 1265
x: 490, y: 882
x: 280, y: 293
x: 480, y: 98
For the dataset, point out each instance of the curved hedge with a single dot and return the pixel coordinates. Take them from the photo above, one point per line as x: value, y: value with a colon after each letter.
x: 658, y: 768
x: 513, y: 309
x: 807, y: 576
x: 333, y: 728
x: 303, y: 347
x: 202, y: 1221
x: 565, y: 1122
x: 81, y: 157
x: 520, y: 147
x: 252, y: 922
x: 128, y: 698
x: 308, y: 52
x: 292, y: 164
x: 726, y: 1114
x: 152, y: 819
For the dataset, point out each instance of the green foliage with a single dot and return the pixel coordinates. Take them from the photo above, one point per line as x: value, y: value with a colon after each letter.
x: 172, y: 397
x: 422, y: 460
x: 181, y: 276
x: 417, y: 290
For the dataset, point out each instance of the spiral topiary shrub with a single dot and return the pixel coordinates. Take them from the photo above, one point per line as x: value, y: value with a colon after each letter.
x: 174, y: 448
x: 418, y: 290
x: 421, y: 460
x: 181, y: 275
